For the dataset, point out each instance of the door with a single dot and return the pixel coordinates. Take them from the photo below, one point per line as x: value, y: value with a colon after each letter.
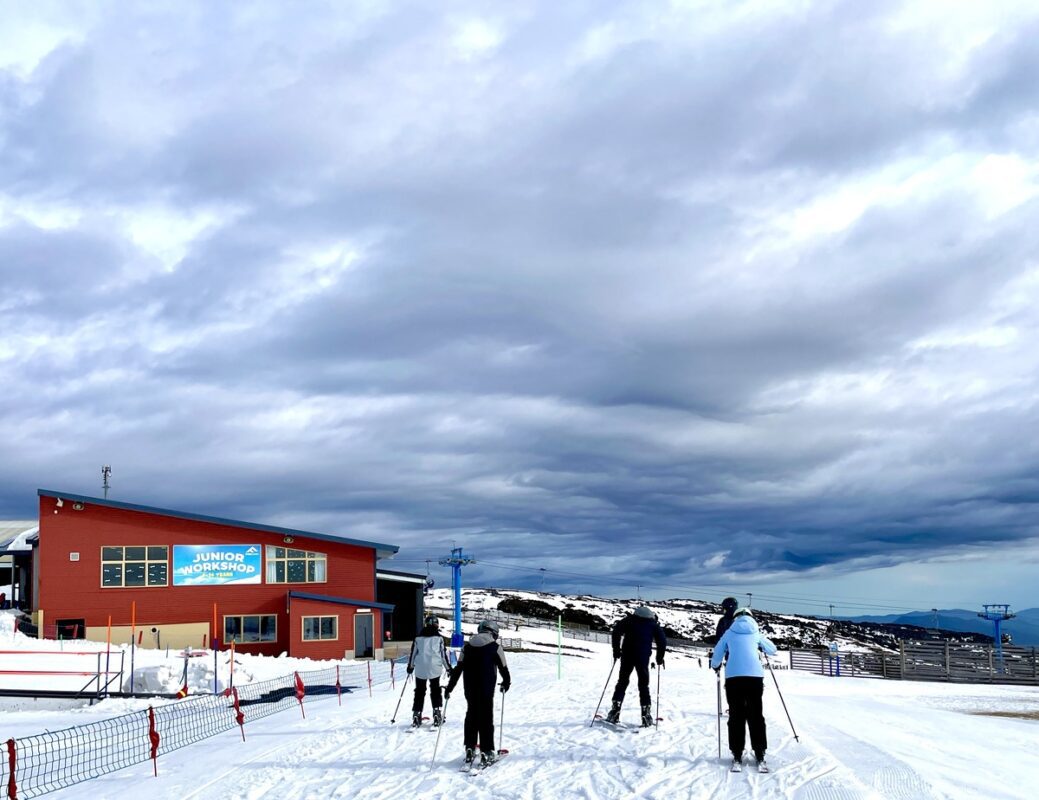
x: 364, y: 630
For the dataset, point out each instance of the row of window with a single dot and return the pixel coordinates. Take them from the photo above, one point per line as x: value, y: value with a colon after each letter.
x: 149, y: 566
x: 252, y: 628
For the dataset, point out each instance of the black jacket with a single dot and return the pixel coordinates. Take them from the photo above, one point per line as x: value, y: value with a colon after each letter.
x: 723, y: 625
x: 633, y: 638
x: 478, y: 663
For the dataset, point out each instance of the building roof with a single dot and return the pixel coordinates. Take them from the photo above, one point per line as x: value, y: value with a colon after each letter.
x: 382, y: 550
x: 403, y: 577
x: 342, y: 601
x: 15, y: 533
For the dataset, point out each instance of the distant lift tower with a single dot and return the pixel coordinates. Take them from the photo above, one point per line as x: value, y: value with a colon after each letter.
x: 456, y: 561
x: 997, y: 613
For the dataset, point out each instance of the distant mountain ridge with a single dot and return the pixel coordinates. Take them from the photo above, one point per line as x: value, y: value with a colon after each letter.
x: 1023, y: 627
x: 696, y: 619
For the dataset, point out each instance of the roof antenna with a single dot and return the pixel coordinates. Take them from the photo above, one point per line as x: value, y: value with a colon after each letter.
x: 105, y: 472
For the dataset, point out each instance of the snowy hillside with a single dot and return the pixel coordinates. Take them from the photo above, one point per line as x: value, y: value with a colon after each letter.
x: 859, y: 739
x: 691, y: 619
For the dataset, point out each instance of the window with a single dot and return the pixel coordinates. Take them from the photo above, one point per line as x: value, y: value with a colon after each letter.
x: 254, y: 628
x: 285, y: 565
x: 320, y: 628
x: 134, y: 566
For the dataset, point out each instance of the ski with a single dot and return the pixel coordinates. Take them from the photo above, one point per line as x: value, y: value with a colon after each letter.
x: 616, y: 726
x: 480, y: 767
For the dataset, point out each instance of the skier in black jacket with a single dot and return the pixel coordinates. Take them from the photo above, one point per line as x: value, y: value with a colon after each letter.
x: 729, y: 606
x: 633, y: 639
x: 478, y: 664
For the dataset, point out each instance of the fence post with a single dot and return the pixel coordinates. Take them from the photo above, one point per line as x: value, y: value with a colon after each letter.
x: 902, y: 658
x: 948, y: 662
x: 1034, y: 675
x: 883, y: 665
x: 12, y: 785
x: 991, y: 666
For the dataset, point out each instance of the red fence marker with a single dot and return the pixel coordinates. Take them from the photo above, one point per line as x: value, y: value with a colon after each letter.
x: 238, y: 715
x: 393, y: 681
x: 339, y: 686
x: 12, y: 787
x: 153, y: 737
x: 300, y: 692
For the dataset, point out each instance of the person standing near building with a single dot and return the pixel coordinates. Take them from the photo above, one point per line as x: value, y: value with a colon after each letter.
x: 633, y: 639
x: 479, y: 663
x: 428, y: 661
x: 744, y: 685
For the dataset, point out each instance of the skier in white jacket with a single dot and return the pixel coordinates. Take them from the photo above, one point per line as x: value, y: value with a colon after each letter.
x: 427, y: 661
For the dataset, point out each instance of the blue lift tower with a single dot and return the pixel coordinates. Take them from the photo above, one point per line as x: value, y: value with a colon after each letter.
x: 997, y: 613
x: 456, y: 561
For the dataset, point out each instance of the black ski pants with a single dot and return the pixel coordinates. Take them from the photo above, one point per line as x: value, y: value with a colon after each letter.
x: 420, y: 693
x: 641, y: 667
x: 479, y: 723
x: 744, y: 696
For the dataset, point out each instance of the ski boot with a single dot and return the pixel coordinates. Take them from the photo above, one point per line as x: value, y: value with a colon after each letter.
x: 416, y: 719
x: 486, y: 759
x: 762, y: 764
x: 615, y: 713
x: 737, y: 763
x: 647, y: 716
x: 438, y: 717
x: 470, y: 756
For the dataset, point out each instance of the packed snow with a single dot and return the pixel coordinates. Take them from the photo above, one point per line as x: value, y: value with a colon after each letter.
x: 859, y: 738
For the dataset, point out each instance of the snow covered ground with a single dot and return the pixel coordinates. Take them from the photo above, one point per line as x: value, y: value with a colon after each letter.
x: 859, y: 739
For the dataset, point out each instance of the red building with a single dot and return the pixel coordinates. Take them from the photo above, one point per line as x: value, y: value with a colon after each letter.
x: 187, y: 579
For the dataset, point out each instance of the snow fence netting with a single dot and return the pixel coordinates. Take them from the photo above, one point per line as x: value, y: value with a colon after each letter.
x: 34, y: 765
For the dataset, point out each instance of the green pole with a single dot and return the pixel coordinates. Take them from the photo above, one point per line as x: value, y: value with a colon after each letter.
x: 559, y: 651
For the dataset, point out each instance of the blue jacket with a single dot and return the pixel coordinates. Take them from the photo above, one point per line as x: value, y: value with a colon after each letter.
x: 742, y: 641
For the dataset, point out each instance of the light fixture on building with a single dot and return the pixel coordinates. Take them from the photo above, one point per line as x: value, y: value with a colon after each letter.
x: 288, y: 539
x: 77, y: 506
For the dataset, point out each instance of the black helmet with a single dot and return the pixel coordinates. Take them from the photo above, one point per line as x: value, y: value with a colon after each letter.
x: 729, y: 605
x: 431, y: 620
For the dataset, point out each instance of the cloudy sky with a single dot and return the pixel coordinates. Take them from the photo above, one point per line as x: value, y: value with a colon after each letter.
x: 702, y: 297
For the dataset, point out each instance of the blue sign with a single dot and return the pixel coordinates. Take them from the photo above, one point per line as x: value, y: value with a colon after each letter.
x: 215, y: 564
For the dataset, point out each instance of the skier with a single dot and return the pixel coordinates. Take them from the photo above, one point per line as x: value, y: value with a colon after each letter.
x: 428, y: 660
x: 477, y: 665
x: 633, y: 639
x: 729, y: 606
x: 744, y: 685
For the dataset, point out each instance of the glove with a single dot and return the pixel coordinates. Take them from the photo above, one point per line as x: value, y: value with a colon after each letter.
x: 505, y: 687
x: 660, y: 660
x: 447, y: 694
x: 717, y: 670
x: 616, y: 654
x: 410, y: 670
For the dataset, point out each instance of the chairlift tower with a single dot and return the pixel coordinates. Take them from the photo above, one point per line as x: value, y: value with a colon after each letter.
x: 997, y: 613
x: 456, y: 561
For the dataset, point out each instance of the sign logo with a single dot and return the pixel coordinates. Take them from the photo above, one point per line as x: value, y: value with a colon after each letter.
x: 215, y: 564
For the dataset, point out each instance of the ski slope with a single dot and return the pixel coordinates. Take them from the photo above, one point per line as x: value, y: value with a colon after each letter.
x: 859, y: 739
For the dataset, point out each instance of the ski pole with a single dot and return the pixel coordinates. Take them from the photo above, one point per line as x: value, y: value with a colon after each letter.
x: 718, y: 673
x: 501, y: 726
x: 659, y: 670
x: 403, y: 689
x: 440, y: 729
x: 781, y: 700
x: 604, y: 688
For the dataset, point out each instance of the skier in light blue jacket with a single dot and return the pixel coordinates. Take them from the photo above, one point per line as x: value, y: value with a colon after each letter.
x: 744, y: 685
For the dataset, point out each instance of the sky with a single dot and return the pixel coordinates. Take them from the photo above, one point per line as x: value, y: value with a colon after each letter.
x: 672, y: 298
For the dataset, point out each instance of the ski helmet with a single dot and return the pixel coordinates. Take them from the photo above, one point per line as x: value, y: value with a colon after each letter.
x: 743, y: 612
x: 488, y: 626
x: 643, y: 611
x: 434, y: 621
x: 729, y: 605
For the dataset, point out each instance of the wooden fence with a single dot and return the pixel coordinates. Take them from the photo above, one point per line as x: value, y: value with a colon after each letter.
x: 927, y: 661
